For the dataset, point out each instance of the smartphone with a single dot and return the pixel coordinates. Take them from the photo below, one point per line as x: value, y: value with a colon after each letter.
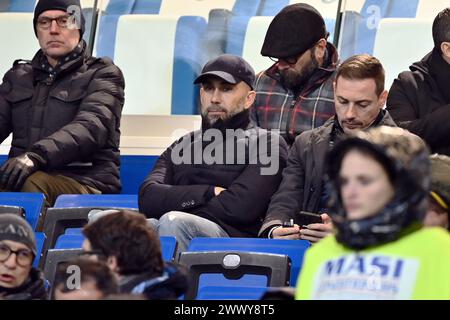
x: 306, y: 218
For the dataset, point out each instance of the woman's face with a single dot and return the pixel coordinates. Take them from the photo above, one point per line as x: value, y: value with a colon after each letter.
x: 365, y: 187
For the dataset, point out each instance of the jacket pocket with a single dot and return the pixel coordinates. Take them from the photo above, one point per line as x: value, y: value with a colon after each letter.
x: 68, y: 96
x: 18, y: 95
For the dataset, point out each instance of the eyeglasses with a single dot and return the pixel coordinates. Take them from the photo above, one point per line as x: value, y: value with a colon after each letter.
x: 62, y: 21
x: 91, y: 253
x: 24, y: 257
x: 289, y: 60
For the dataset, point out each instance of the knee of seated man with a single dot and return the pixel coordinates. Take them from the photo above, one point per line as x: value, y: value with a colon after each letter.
x: 35, y: 182
x: 174, y: 219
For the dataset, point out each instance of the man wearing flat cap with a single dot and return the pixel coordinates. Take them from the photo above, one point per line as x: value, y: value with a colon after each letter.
x: 217, y: 181
x: 63, y: 108
x: 18, y: 279
x: 296, y: 93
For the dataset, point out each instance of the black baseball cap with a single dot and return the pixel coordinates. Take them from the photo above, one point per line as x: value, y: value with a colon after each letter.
x: 233, y: 69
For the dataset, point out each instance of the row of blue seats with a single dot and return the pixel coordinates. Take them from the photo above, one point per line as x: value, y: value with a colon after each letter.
x: 219, y: 268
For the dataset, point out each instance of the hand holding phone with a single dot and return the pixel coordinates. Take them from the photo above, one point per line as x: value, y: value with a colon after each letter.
x: 309, y: 218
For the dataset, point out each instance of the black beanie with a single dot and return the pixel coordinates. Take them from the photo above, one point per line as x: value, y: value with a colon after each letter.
x: 44, y: 5
x: 15, y: 228
x: 293, y: 30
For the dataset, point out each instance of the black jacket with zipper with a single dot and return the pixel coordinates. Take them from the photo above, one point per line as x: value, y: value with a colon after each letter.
x: 69, y: 116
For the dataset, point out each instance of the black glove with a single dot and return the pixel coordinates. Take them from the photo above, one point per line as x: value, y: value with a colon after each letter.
x: 16, y: 170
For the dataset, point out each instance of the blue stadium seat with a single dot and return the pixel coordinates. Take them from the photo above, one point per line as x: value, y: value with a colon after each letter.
x: 108, y: 26
x: 75, y: 240
x: 234, y: 269
x: 146, y: 7
x: 242, y: 11
x: 69, y: 241
x: 32, y: 203
x: 271, y: 8
x: 168, y: 247
x: 294, y: 249
x: 93, y: 200
x: 231, y: 293
x: 371, y: 14
x: 21, y: 5
x: 187, y: 64
x: 40, y: 239
x: 133, y: 171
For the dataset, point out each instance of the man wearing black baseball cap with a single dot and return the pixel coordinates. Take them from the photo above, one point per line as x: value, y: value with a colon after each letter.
x: 18, y: 279
x: 212, y: 182
x: 63, y: 108
x: 296, y: 93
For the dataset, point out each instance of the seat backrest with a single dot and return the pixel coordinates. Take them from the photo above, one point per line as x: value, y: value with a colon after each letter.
x: 168, y: 247
x: 409, y: 32
x: 146, y: 7
x: 148, y: 71
x: 32, y: 203
x: 21, y: 5
x: 55, y: 257
x: 237, y: 268
x: 231, y: 293
x: 294, y: 249
x: 372, y: 12
x: 69, y: 241
x: 327, y: 8
x: 242, y: 11
x: 187, y: 64
x: 40, y: 240
x: 97, y: 200
x: 133, y: 171
x: 427, y: 9
x: 254, y: 39
x: 22, y: 43
x: 193, y: 7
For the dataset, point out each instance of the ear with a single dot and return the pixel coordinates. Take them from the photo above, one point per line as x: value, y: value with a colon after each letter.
x: 382, y: 98
x: 321, y: 47
x: 251, y: 95
x: 111, y: 261
x: 445, y: 48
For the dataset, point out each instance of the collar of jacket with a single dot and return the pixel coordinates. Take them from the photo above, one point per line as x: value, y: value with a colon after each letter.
x: 320, y: 74
x: 238, y: 121
x: 440, y: 71
x: 71, y: 61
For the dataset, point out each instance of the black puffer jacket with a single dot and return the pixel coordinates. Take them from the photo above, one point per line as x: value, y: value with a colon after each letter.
x: 70, y: 116
x: 419, y: 100
x: 189, y: 187
x: 32, y: 289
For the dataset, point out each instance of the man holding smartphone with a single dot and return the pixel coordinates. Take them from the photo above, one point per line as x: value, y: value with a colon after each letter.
x: 359, y: 97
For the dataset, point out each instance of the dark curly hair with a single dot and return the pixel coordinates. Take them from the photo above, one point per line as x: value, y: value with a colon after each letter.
x: 127, y: 236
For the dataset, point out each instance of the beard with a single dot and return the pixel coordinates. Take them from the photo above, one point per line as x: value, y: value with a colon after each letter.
x: 292, y: 79
x: 226, y: 114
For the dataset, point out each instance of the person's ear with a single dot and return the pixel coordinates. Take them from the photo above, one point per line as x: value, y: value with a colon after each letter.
x: 445, y: 48
x: 321, y: 47
x: 111, y: 261
x: 382, y: 99
x: 251, y: 95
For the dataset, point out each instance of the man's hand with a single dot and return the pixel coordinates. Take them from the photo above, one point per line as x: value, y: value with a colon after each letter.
x: 15, y: 171
x: 287, y: 233
x: 317, y: 231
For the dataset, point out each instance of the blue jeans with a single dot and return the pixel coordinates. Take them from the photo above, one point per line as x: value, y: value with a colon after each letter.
x: 185, y: 226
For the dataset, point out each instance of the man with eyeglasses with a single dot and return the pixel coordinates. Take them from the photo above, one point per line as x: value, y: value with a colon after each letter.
x: 18, y: 279
x: 63, y: 108
x: 296, y: 93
